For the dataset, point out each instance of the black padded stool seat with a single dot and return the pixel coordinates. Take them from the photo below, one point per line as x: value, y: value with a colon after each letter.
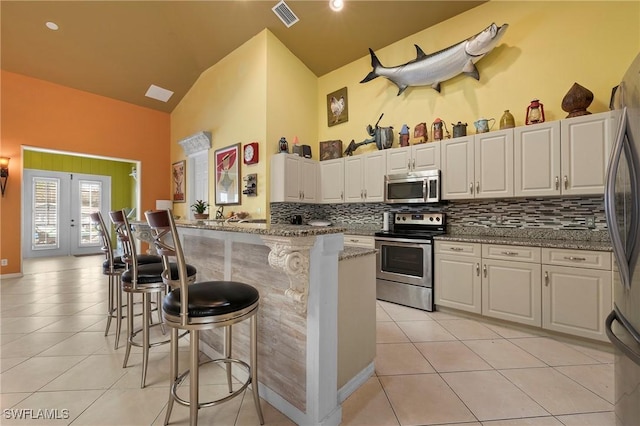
x: 211, y: 298
x: 118, y: 263
x: 151, y: 273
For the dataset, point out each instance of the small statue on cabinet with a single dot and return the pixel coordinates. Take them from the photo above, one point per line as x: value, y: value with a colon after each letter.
x: 404, y: 135
x: 283, y: 145
x: 420, y: 133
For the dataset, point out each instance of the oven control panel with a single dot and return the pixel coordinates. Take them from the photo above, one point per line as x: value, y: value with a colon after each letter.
x: 419, y: 218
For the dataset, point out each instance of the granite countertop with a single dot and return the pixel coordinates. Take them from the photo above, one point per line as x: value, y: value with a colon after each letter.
x: 279, y: 230
x: 531, y: 242
x: 359, y: 229
x: 351, y: 252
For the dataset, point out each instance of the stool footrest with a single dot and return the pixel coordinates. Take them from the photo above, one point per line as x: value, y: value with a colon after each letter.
x: 181, y: 377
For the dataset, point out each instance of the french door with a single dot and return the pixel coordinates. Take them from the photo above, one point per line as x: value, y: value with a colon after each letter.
x: 56, y: 210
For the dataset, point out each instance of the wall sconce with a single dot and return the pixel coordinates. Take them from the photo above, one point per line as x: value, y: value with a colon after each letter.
x: 4, y: 173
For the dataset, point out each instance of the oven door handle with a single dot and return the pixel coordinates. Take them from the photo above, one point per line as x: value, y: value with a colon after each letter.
x: 404, y: 241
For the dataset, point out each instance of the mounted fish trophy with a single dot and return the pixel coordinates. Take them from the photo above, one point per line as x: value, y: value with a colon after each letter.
x: 431, y: 70
x: 382, y: 136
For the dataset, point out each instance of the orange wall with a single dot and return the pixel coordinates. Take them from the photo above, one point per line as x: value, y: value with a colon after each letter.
x: 40, y: 114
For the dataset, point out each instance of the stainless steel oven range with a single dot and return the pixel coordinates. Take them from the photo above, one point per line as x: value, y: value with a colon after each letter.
x: 404, y: 262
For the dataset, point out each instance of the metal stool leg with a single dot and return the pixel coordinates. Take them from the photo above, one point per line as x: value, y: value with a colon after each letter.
x: 129, y: 328
x: 110, y: 309
x: 227, y: 354
x: 146, y: 317
x: 173, y: 371
x: 254, y: 366
x: 118, y: 291
x: 194, y: 340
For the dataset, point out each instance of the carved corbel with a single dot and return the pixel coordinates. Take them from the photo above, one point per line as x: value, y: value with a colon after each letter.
x: 291, y: 255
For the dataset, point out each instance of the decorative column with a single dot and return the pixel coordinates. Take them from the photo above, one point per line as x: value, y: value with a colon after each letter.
x: 291, y: 255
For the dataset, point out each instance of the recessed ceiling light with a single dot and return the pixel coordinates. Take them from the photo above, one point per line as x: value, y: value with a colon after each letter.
x: 336, y: 5
x: 52, y: 26
x: 155, y: 92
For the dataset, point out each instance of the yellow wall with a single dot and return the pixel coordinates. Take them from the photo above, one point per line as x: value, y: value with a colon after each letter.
x: 548, y: 47
x: 260, y: 92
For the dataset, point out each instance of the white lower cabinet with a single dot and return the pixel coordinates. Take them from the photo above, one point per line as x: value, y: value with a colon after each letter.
x: 511, y: 291
x: 457, y: 281
x: 527, y: 285
x: 577, y: 300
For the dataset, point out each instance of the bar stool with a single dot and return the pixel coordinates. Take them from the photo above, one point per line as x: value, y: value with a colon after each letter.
x: 112, y: 267
x: 147, y: 280
x: 203, y: 306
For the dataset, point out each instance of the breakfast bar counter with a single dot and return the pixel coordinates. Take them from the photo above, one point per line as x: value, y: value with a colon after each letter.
x: 310, y: 355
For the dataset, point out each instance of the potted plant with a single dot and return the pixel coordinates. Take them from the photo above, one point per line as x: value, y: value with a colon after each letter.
x: 199, y: 208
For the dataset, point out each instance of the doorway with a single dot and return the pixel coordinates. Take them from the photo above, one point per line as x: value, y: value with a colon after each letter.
x: 56, y: 208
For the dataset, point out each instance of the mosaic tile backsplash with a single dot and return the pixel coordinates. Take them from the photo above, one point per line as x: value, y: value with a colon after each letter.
x: 558, y: 214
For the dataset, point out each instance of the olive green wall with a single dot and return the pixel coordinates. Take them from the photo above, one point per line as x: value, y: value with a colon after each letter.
x: 122, y: 185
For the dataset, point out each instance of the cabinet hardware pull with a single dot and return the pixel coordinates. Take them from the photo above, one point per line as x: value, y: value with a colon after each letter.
x: 456, y: 248
x: 471, y: 187
x: 409, y: 164
x: 484, y: 270
x: 353, y: 240
x: 546, y: 278
x: 510, y: 253
x: 365, y: 193
x: 342, y: 195
x: 566, y: 182
x: 557, y: 182
x: 414, y: 164
x: 477, y: 187
x: 582, y: 259
x: 477, y: 269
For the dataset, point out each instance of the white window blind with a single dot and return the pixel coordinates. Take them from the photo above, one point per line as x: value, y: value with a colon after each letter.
x: 46, y: 213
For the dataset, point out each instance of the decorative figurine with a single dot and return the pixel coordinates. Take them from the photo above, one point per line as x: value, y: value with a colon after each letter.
x: 436, y: 129
x: 507, y: 121
x: 577, y: 100
x: 283, y: 146
x: 431, y: 70
x: 482, y: 124
x: 420, y: 133
x: 459, y: 129
x: 404, y: 135
x: 535, y: 112
x: 382, y: 136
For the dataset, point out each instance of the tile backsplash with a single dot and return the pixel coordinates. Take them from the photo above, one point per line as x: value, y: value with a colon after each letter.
x: 526, y: 213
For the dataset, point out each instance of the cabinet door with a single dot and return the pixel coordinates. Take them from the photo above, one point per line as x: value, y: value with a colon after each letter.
x: 398, y: 160
x: 537, y: 160
x: 374, y: 170
x: 457, y: 282
x: 494, y: 164
x: 353, y: 172
x: 457, y: 168
x: 332, y: 181
x: 511, y: 291
x: 576, y: 300
x: 284, y: 178
x: 585, y: 149
x: 308, y: 180
x: 425, y: 156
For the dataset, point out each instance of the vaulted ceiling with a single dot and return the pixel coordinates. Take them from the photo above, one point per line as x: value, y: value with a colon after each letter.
x: 119, y: 48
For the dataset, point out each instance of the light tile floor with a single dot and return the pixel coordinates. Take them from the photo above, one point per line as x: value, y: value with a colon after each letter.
x: 431, y: 368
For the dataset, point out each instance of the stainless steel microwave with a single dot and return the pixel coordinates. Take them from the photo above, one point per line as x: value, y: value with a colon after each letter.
x: 412, y: 188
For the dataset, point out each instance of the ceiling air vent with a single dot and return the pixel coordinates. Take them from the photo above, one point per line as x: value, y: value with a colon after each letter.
x: 285, y: 14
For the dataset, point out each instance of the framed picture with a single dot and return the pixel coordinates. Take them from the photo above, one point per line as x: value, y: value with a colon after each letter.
x: 178, y: 172
x: 337, y: 107
x: 227, y: 165
x: 330, y: 150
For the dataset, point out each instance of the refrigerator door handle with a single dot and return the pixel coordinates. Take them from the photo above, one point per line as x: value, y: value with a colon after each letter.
x: 629, y: 352
x: 609, y: 203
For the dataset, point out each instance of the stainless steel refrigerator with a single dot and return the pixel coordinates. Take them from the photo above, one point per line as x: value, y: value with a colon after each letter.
x: 622, y: 207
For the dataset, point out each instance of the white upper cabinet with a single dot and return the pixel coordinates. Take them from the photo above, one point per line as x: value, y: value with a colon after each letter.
x: 364, y: 177
x: 414, y: 158
x: 457, y: 177
x: 293, y: 179
x: 332, y: 181
x: 494, y: 164
x: 479, y: 166
x: 585, y: 149
x: 537, y: 160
